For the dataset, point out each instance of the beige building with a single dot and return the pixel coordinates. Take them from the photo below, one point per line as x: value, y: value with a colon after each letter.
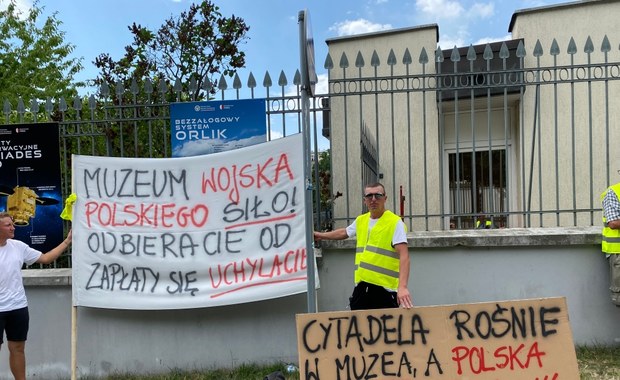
x: 520, y: 132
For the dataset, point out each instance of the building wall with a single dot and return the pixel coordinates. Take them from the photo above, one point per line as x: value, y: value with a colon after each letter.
x: 451, y: 267
x: 395, y: 120
x: 577, y: 106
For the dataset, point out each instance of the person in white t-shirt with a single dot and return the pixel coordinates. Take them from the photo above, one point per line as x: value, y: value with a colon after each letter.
x: 14, y: 318
x: 382, y: 255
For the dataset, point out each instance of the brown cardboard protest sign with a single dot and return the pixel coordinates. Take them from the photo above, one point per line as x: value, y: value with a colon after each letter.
x: 523, y: 339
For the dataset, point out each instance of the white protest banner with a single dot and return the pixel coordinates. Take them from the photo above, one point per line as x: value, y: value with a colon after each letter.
x: 508, y: 340
x: 190, y: 232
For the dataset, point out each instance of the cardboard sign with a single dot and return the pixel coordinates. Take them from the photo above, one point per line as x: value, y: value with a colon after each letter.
x: 524, y: 340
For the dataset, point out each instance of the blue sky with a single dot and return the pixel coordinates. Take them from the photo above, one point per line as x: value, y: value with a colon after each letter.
x: 98, y: 26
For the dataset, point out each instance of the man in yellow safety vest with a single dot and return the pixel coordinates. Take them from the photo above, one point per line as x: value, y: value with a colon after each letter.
x: 382, y: 256
x: 610, y: 199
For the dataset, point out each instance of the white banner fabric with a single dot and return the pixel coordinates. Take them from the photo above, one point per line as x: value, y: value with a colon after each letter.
x: 190, y: 232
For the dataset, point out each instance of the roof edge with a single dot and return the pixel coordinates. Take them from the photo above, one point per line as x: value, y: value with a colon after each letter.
x: 518, y: 12
x: 384, y: 32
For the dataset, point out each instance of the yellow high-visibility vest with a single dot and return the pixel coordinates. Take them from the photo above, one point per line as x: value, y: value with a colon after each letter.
x: 487, y: 224
x: 376, y: 261
x: 611, y: 237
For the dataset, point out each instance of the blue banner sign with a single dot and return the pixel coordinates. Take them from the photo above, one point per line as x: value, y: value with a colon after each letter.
x: 30, y: 182
x: 215, y: 126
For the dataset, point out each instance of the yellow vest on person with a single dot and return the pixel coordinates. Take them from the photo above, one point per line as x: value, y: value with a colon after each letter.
x: 376, y: 261
x: 611, y: 237
x: 487, y: 224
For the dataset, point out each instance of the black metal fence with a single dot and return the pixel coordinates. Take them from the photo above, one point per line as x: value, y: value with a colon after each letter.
x: 524, y: 143
x: 524, y: 137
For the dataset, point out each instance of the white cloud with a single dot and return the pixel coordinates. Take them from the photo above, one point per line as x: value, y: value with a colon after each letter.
x: 321, y: 86
x: 23, y: 6
x: 440, y: 9
x: 456, y: 19
x: 482, y: 10
x: 359, y: 26
x: 448, y: 42
x: 488, y: 40
x: 449, y: 9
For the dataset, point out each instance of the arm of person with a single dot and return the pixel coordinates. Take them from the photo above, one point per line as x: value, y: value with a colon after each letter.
x: 339, y: 234
x: 614, y: 224
x: 55, y: 253
x: 403, y: 295
x: 610, y: 210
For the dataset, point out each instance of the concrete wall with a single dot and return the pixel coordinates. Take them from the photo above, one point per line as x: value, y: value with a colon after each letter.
x: 447, y: 268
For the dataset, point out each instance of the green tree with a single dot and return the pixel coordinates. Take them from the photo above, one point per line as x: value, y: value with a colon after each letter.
x: 325, y: 192
x: 35, y: 60
x: 200, y: 43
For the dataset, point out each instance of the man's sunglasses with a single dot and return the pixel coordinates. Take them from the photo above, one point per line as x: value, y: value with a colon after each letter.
x: 374, y: 195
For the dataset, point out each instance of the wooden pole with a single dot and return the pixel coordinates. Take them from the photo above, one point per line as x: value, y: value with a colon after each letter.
x: 74, y: 343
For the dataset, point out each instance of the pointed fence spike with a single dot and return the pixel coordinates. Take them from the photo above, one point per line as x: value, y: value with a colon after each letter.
x: 538, y: 49
x: 237, y: 82
x: 134, y: 86
x: 344, y: 61
x: 21, y: 108
x: 120, y: 88
x: 92, y: 103
x: 267, y: 80
x: 423, y: 59
x: 282, y: 81
x: 359, y: 60
x: 222, y: 85
x: 77, y: 103
x: 62, y: 106
x: 104, y: 90
x: 487, y: 54
x: 589, y: 46
x: 555, y: 48
x: 391, y: 60
x: 605, y: 46
x: 193, y: 84
x: 7, y: 107
x: 34, y: 106
x: 178, y: 86
x: 521, y: 52
x: 329, y: 64
x: 148, y: 86
x: 471, y: 52
x: 162, y: 86
x: 407, y: 60
x: 375, y: 61
x: 207, y: 85
x: 504, y: 52
x: 297, y: 78
x: 251, y: 81
x: 572, y: 47
x: 455, y: 56
x: 439, y: 55
x: 49, y: 106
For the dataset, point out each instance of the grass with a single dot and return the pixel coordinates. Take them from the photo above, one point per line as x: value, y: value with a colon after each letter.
x: 599, y: 363
x: 595, y: 363
x: 244, y: 372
